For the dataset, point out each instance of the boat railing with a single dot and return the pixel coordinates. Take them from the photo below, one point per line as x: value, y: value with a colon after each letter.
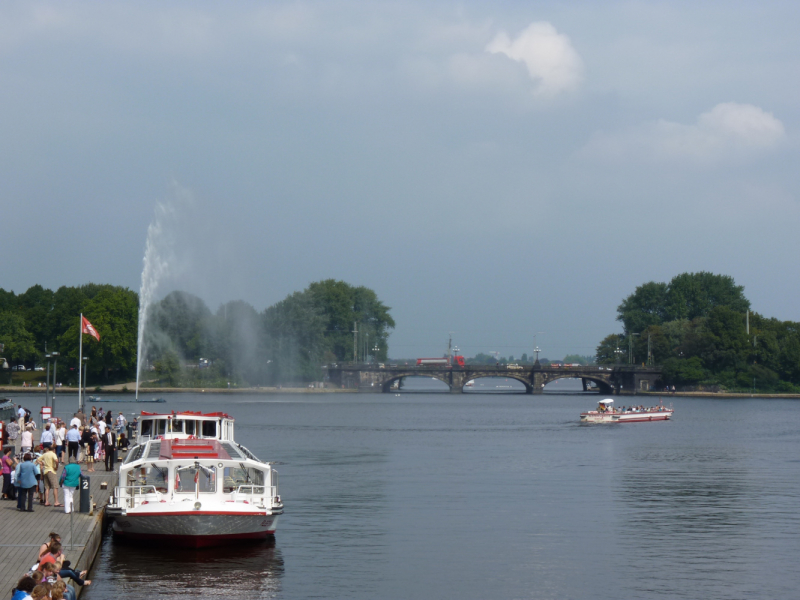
x: 133, y: 495
x: 254, y: 493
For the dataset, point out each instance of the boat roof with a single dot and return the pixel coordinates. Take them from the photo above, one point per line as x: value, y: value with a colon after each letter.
x: 188, y: 413
x: 175, y: 449
x: 607, y: 401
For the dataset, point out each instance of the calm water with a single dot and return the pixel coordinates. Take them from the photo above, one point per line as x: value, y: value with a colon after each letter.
x: 497, y: 496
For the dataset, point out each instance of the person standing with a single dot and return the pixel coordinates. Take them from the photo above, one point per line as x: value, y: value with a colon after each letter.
x: 70, y: 480
x: 48, y: 439
x: 110, y: 448
x: 8, y: 463
x: 26, y: 474
x: 88, y: 442
x: 121, y: 423
x: 60, y: 435
x: 27, y: 440
x: 13, y: 434
x: 49, y: 462
x: 73, y: 439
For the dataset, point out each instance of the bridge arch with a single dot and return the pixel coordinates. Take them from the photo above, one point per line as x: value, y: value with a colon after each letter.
x: 604, y: 384
x: 474, y: 375
x: 386, y: 386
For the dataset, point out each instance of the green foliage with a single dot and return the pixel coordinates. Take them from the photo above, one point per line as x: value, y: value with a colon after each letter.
x: 608, y: 351
x: 687, y: 296
x: 696, y: 329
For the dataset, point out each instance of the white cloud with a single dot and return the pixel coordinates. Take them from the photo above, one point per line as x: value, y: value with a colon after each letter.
x: 548, y: 55
x: 728, y: 131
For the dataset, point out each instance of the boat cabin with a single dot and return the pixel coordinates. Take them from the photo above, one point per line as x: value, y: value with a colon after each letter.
x: 606, y: 405
x: 175, y: 470
x: 188, y: 424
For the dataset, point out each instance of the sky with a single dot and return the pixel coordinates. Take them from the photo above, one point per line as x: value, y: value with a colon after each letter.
x: 504, y: 171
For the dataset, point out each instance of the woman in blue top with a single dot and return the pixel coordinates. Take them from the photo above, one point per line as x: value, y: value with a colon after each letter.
x: 25, y: 474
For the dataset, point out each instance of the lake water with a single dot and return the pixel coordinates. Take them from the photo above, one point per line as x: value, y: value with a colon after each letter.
x: 478, y: 496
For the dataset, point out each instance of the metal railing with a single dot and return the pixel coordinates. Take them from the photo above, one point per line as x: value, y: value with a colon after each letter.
x: 133, y: 495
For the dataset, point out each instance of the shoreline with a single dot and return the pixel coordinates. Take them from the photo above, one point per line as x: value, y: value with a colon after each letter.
x: 117, y: 389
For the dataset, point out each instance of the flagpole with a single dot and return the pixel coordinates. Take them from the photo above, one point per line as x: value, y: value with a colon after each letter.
x: 80, y: 362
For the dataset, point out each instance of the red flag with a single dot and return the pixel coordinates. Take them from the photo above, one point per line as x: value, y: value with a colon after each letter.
x: 89, y: 328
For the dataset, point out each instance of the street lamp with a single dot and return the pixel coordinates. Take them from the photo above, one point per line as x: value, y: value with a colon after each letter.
x: 375, y: 351
x: 47, y: 382
x: 55, y: 355
x: 618, y: 352
x: 536, y: 351
x: 85, y: 370
x: 630, y: 347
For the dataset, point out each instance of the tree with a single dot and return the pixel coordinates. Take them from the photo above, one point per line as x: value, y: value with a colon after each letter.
x: 114, y: 313
x: 342, y: 305
x: 18, y: 342
x: 645, y: 307
x: 606, y: 353
x: 692, y: 295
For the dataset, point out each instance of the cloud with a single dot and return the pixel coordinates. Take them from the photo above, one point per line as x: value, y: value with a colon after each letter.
x: 728, y: 131
x: 551, y: 60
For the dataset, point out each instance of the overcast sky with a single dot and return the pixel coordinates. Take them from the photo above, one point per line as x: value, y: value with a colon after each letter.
x: 490, y: 169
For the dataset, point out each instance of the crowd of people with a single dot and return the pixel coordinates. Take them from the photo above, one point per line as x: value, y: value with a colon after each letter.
x: 47, y: 578
x: 32, y: 471
x: 38, y: 471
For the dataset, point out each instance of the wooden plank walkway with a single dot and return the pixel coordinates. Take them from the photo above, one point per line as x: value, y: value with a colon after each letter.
x: 21, y: 533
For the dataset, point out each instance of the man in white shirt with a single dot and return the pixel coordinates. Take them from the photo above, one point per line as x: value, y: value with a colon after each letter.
x: 61, y: 436
x: 101, y: 428
x: 75, y: 422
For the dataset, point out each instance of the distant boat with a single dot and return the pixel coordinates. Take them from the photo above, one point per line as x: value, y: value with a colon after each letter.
x: 605, y: 413
x: 151, y: 400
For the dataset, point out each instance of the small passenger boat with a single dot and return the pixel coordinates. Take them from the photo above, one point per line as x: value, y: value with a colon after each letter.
x: 606, y: 413
x: 187, y: 482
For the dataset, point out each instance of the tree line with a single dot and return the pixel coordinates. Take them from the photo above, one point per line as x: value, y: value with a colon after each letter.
x: 285, y: 343
x: 696, y: 328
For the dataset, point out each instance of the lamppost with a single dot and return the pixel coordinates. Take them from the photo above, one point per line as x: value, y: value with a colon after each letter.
x: 618, y: 353
x: 55, y: 380
x: 47, y: 382
x: 536, y: 350
x: 630, y: 347
x: 375, y: 351
x: 85, y: 371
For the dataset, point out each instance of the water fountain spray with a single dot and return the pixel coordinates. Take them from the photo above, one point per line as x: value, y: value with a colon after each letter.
x: 156, y: 267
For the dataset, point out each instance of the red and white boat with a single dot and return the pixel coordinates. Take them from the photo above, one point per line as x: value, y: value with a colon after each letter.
x: 606, y: 413
x: 187, y: 482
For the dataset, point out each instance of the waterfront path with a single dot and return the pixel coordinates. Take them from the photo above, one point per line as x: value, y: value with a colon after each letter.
x: 21, y: 533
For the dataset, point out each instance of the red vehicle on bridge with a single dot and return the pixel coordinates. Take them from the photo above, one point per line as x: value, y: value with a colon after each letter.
x: 440, y: 362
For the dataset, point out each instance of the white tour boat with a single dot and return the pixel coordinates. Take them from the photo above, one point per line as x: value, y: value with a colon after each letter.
x: 606, y: 413
x: 187, y: 482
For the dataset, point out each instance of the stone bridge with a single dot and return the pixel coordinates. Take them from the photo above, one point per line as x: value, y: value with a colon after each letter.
x: 616, y: 380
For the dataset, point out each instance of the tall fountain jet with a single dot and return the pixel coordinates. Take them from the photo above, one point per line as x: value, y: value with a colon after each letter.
x: 156, y: 267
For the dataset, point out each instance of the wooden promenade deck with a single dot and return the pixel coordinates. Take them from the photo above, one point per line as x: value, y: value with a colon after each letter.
x: 21, y: 533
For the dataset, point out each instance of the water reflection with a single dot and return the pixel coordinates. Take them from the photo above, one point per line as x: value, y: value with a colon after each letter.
x: 250, y: 570
x: 687, y: 513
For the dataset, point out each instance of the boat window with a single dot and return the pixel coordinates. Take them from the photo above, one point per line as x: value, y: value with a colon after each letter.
x: 188, y: 427
x: 149, y: 475
x: 274, y: 478
x: 189, y: 479
x: 177, y: 426
x: 236, y: 476
x: 154, y: 451
x: 134, y: 454
x: 161, y: 427
x: 210, y: 429
x: 147, y: 427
